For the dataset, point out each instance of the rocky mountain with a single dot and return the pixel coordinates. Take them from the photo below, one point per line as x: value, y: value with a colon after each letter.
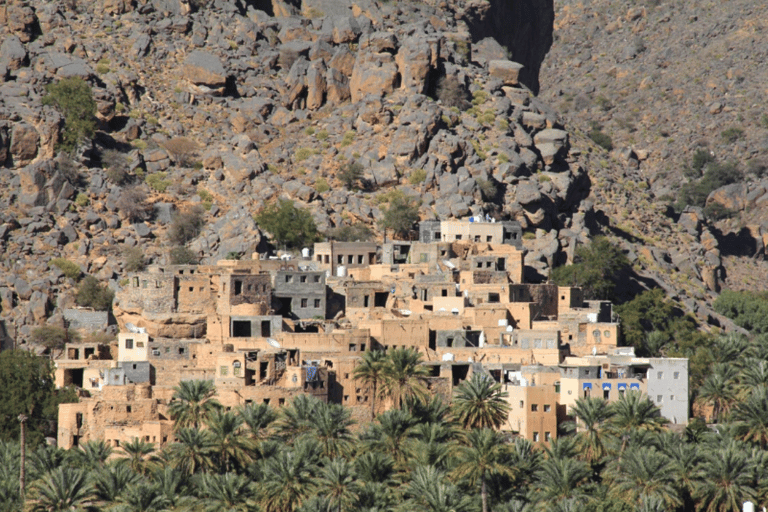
x: 468, y: 107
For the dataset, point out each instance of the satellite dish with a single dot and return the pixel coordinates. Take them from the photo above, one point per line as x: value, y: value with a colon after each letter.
x: 455, y: 311
x: 131, y: 327
x: 510, y: 328
x: 273, y: 342
x: 448, y: 357
x: 405, y: 312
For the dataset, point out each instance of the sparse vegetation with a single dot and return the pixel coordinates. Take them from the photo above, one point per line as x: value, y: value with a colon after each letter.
x: 186, y: 225
x: 158, y: 181
x: 417, y: 177
x: 133, y: 204
x: 181, y: 255
x: 322, y: 186
x: 353, y: 233
x: 351, y: 175
x: 69, y: 268
x: 349, y: 137
x: 451, y: 92
x: 134, y: 259
x: 91, y: 294
x: 601, y: 139
x: 400, y: 215
x: 82, y: 199
x: 74, y: 99
x: 182, y: 149
x: 596, y: 270
x: 732, y: 134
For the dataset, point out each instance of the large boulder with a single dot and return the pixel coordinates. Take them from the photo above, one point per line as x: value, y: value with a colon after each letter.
x: 205, y: 71
x: 506, y: 71
x: 24, y: 144
x: 375, y: 74
x: 12, y: 53
x: 416, y: 58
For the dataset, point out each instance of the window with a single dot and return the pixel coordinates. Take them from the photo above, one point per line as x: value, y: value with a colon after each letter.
x: 304, y: 303
x: 341, y: 259
x: 317, y: 279
x: 360, y: 259
x: 191, y: 288
x: 129, y: 344
x: 144, y: 283
x: 659, y: 398
x: 607, y: 334
x: 676, y: 375
x: 606, y: 394
x: 350, y: 259
x: 224, y: 371
x: 128, y: 409
x: 534, y: 407
x: 302, y: 279
x: 547, y: 436
x: 671, y: 398
x: 477, y: 238
x: 535, y: 437
x: 139, y: 344
x: 586, y: 372
x: 547, y: 408
x: 353, y: 347
x: 659, y: 375
x: 288, y: 279
x: 458, y: 237
x: 489, y: 238
x: 317, y: 303
x: 522, y: 404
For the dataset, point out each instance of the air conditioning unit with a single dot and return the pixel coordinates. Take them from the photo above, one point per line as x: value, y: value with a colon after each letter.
x: 155, y: 352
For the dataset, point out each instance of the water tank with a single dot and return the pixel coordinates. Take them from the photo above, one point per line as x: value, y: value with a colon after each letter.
x: 341, y: 271
x: 305, y: 253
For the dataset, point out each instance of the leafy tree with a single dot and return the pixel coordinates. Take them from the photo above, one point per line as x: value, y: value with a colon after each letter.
x: 357, y: 232
x: 258, y: 418
x: 351, y: 175
x: 228, y: 492
x: 92, y: 454
x: 370, y: 371
x: 330, y: 427
x: 561, y: 478
x: 596, y: 270
x: 291, y: 226
x: 481, y: 457
x: 27, y: 387
x: 193, y: 450
x: 718, y: 390
x: 92, y: 294
x: 192, y: 403
x: 389, y: 435
x: 232, y: 448
x: 181, y: 255
x: 479, y: 403
x: 634, y: 411
x: 296, y: 419
x: 751, y: 417
x: 401, y: 214
x: 74, y: 99
x: 592, y: 413
x: 337, y: 480
x: 53, y: 337
x: 727, y: 480
x: 134, y: 259
x: 747, y: 309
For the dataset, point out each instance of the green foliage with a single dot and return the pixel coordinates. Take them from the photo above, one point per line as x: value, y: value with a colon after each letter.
x: 348, y: 138
x: 181, y: 255
x: 322, y: 186
x: 417, y: 177
x: 158, y: 181
x: 74, y: 99
x: 717, y: 175
x: 488, y: 189
x: 133, y: 259
x: 290, y: 226
x: 322, y: 135
x: 451, y: 92
x: 70, y: 269
x: 401, y: 214
x: 732, y: 134
x: 302, y: 154
x: 355, y: 233
x: 82, y: 199
x: 351, y: 174
x: 701, y: 158
x: 596, y: 270
x: 28, y: 388
x: 601, y: 139
x: 716, y: 211
x: 186, y: 225
x: 479, y: 97
x: 116, y: 164
x: 53, y: 338
x: 747, y: 309
x: 91, y: 294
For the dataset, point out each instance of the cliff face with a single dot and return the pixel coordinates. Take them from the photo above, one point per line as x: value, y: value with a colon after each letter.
x: 523, y: 27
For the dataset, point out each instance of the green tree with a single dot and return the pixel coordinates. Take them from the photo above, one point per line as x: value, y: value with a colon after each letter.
x: 228, y: 492
x: 351, y: 175
x: 429, y: 490
x: 258, y: 418
x: 63, y: 489
x: 389, y: 435
x: 330, y: 427
x: 369, y: 370
x: 478, y: 402
x: 561, y: 478
x: 110, y: 481
x: 592, y: 414
x: 137, y: 452
x: 54, y: 338
x: 718, y: 390
x: 192, y: 403
x: 338, y: 483
x: 727, y: 480
x: 357, y: 232
x: 288, y: 480
x: 644, y: 473
x: 91, y: 294
x: 92, y: 454
x: 404, y: 375
x: 751, y: 417
x: 229, y: 443
x: 27, y: 385
x: 291, y: 226
x: 634, y: 411
x: 181, y: 255
x: 193, y: 450
x: 596, y: 270
x: 74, y: 99
x: 400, y: 215
x: 481, y: 457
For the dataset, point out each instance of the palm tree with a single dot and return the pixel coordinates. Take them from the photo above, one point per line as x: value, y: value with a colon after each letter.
x: 686, y: 463
x: 480, y: 458
x: 374, y: 467
x: 228, y: 441
x: 751, y: 417
x: 592, y: 413
x: 643, y: 473
x: 61, y: 489
x: 389, y: 434
x: 141, y: 497
x: 173, y: 485
x: 753, y: 375
x: 430, y: 490
x: 727, y: 480
x: 560, y: 479
x: 192, y: 403
x: 478, y: 402
x: 136, y: 452
x: 258, y: 418
x: 41, y: 461
x: 288, y: 480
x: 297, y: 418
x: 193, y: 450
x: 109, y: 481
x: 634, y: 411
x: 229, y: 492
x: 404, y: 375
x: 718, y: 390
x: 430, y: 444
x: 92, y: 454
x: 337, y: 479
x: 370, y: 371
x: 331, y: 428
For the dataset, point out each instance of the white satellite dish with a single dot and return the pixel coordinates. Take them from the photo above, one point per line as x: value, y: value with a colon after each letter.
x: 405, y: 312
x: 273, y: 342
x: 455, y: 311
x: 141, y: 330
x: 131, y: 327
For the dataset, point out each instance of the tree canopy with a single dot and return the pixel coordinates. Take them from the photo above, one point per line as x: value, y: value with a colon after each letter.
x: 74, y: 99
x: 596, y: 269
x: 289, y: 225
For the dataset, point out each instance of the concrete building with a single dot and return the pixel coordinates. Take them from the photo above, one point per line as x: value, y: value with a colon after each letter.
x: 471, y: 230
x: 300, y: 294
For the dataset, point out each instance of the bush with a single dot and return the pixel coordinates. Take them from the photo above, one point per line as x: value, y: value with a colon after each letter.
x: 351, y: 174
x: 322, y: 186
x: 601, y: 139
x: 82, y: 199
x: 488, y: 189
x: 186, y: 225
x: 133, y: 204
x: 596, y: 270
x: 291, y: 226
x: 70, y: 269
x: 302, y: 154
x: 400, y: 215
x: 92, y: 294
x: 732, y: 134
x: 53, y: 338
x: 417, y: 177
x: 747, y: 309
x: 158, y: 182
x: 701, y: 158
x: 181, y: 255
x: 451, y: 92
x: 74, y: 99
x: 349, y: 137
x: 116, y: 164
x: 134, y: 260
x: 355, y: 233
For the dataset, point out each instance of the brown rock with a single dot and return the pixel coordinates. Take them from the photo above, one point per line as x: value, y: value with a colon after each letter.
x: 202, y: 68
x: 505, y: 70
x: 374, y: 73
x: 21, y: 20
x: 316, y: 85
x: 24, y: 144
x: 337, y: 86
x: 415, y: 60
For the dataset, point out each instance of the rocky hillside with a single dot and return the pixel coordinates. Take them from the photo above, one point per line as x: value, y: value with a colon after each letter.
x: 231, y: 105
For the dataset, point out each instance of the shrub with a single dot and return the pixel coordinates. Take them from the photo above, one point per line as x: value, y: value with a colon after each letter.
x: 206, y: 197
x: 309, y: 130
x: 74, y: 99
x: 348, y: 138
x: 732, y: 134
x: 322, y: 135
x: 701, y: 158
x: 158, y: 181
x: 488, y: 189
x: 92, y: 294
x: 134, y: 260
x: 596, y: 270
x: 601, y: 139
x: 82, y: 199
x: 181, y: 255
x: 133, y: 204
x: 302, y: 154
x: 291, y: 226
x: 186, y: 225
x: 116, y: 164
x: 479, y: 97
x: 70, y: 269
x: 351, y: 174
x: 451, y: 92
x: 321, y: 186
x: 182, y: 149
x: 232, y: 255
x: 102, y: 67
x: 357, y: 232
x: 53, y: 337
x: 417, y: 177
